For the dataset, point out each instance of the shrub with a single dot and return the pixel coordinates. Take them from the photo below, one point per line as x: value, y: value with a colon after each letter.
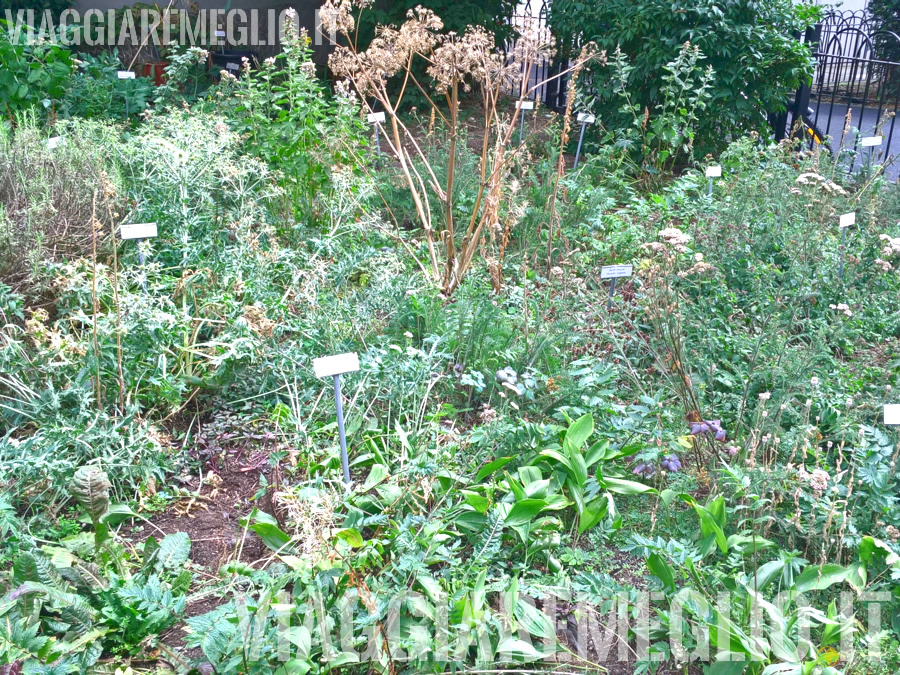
x: 757, y: 61
x: 48, y: 196
x: 32, y: 74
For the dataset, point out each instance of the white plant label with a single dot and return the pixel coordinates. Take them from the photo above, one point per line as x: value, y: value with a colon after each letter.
x: 714, y: 172
x: 220, y: 33
x: 138, y: 231
x: 871, y: 141
x: 125, y: 74
x: 375, y: 117
x: 586, y: 118
x: 232, y: 66
x: 892, y: 414
x: 848, y: 219
x: 327, y: 366
x: 616, y: 271
x: 55, y: 142
x: 525, y: 105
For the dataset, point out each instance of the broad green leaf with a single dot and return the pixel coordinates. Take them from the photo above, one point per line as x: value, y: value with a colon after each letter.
x: 524, y: 511
x: 533, y: 620
x: 272, y: 536
x: 517, y: 649
x: 627, y: 487
x: 559, y: 457
x: 529, y: 475
x: 580, y: 430
x: 818, y: 578
x: 593, y: 513
x: 596, y: 452
x: 377, y: 474
x: 351, y: 536
x: 662, y: 571
x: 767, y: 573
x: 491, y: 467
x: 478, y: 502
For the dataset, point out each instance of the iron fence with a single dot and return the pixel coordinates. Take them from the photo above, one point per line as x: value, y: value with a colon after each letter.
x: 852, y: 77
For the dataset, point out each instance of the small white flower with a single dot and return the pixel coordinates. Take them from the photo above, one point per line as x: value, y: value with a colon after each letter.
x: 765, y: 396
x: 814, y: 381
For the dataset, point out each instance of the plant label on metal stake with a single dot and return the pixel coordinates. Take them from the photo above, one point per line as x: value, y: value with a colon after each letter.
x: 523, y: 105
x: 335, y: 366
x: 125, y: 75
x: 585, y: 119
x: 870, y: 142
x: 139, y: 232
x: 376, y: 118
x: 846, y: 221
x: 614, y: 272
x: 712, y: 172
x: 892, y: 414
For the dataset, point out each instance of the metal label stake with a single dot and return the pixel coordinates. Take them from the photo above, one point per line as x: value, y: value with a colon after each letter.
x: 125, y: 75
x: 376, y: 118
x: 846, y: 221
x: 614, y: 272
x: 139, y: 232
x: 712, y: 172
x: 523, y: 106
x: 870, y: 142
x: 585, y: 119
x: 335, y: 366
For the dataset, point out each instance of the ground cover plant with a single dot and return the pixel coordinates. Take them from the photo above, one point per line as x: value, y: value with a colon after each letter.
x: 689, y: 472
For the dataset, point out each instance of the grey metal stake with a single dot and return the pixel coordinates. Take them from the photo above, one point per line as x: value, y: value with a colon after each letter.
x: 843, y: 244
x: 141, y: 261
x: 345, y: 462
x: 578, y: 150
x: 377, y: 141
x: 612, y: 292
x: 521, y: 125
x: 709, y: 191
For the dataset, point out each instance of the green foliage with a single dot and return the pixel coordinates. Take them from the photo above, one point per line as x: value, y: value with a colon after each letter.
x: 758, y: 64
x: 96, y: 90
x: 34, y: 74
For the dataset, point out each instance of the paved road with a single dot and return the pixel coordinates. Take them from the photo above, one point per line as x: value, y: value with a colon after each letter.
x: 830, y: 116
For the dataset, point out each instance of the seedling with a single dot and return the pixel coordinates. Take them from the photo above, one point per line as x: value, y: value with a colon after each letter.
x: 335, y: 366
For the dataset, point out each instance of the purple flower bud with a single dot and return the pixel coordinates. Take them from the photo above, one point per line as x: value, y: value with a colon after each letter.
x: 732, y: 450
x: 697, y: 428
x: 704, y: 427
x: 639, y: 469
x: 720, y: 435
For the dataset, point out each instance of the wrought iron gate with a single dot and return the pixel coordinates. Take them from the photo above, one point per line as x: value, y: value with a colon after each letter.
x: 852, y: 76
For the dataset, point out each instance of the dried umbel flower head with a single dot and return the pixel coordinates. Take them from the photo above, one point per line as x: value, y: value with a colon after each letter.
x: 471, y: 56
x: 389, y: 52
